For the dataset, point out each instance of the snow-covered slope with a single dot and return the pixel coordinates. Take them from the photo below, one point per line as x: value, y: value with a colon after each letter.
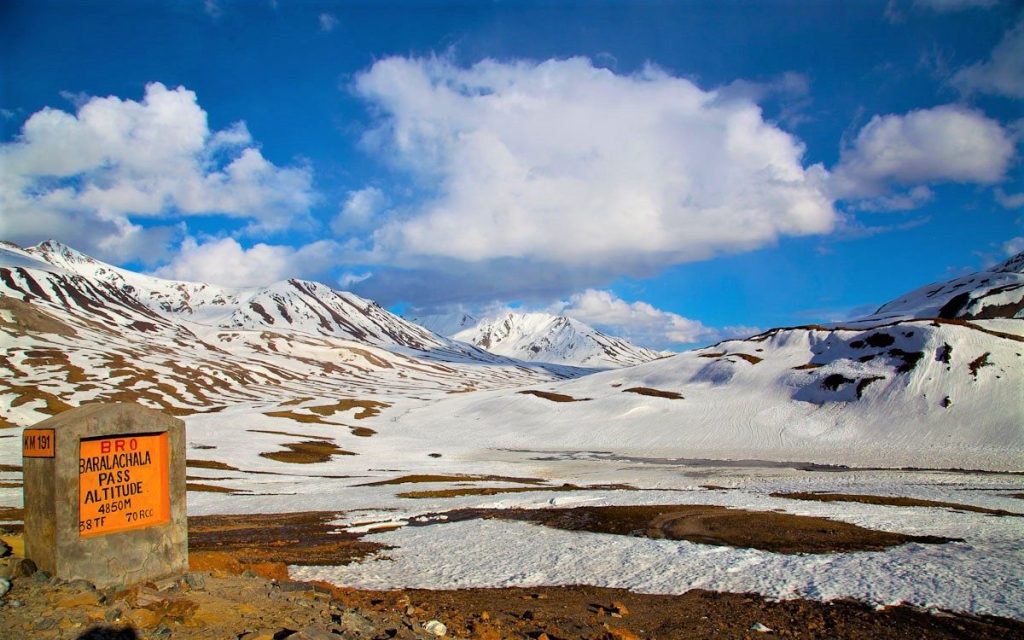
x: 76, y: 329
x: 292, y: 305
x: 996, y: 293
x: 543, y: 337
x: 917, y: 391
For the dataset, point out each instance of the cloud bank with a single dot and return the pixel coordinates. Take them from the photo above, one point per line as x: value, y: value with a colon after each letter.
x: 562, y: 162
x: 96, y: 174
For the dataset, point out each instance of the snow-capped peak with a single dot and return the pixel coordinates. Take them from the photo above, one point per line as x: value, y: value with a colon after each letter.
x: 544, y: 337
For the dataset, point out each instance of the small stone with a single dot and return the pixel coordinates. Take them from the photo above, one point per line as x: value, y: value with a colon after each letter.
x: 40, y: 577
x: 620, y: 608
x: 436, y: 628
x: 5, y: 586
x: 144, y: 618
x: 195, y: 580
x: 410, y: 610
x: 81, y: 585
x: 14, y: 604
x: 528, y: 615
x: 167, y: 584
x: 45, y: 623
x: 5, y: 549
x: 13, y: 568
x: 83, y: 599
x: 113, y: 614
x: 618, y: 633
x: 313, y: 633
x: 485, y: 616
x: 760, y: 628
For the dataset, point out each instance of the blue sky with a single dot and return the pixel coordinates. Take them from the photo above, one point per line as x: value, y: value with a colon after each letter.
x: 670, y: 171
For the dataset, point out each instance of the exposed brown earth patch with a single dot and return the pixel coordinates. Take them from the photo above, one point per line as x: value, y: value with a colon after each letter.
x: 307, y: 452
x: 809, y: 365
x: 654, y: 393
x: 367, y: 408
x: 26, y: 317
x: 13, y: 519
x: 493, y: 491
x: 746, y: 356
x: 424, y: 478
x: 211, y: 488
x: 591, y: 613
x: 209, y: 464
x: 218, y: 602
x: 892, y: 501
x: 714, y: 525
x: 553, y: 397
x: 285, y: 433
x: 978, y: 363
x: 305, y: 538
x: 304, y: 418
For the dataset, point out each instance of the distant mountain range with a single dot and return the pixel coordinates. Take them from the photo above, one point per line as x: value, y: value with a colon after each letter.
x: 933, y: 378
x: 543, y: 337
x: 77, y: 329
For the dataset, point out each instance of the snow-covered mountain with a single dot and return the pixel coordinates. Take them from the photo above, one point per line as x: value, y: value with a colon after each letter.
x: 903, y: 388
x: 934, y: 378
x: 292, y: 305
x: 77, y: 329
x: 987, y: 295
x: 543, y: 337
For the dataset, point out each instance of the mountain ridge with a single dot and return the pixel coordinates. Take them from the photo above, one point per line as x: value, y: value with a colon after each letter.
x: 544, y: 337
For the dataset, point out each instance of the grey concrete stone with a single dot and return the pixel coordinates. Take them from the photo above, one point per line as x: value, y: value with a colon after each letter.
x: 51, y: 488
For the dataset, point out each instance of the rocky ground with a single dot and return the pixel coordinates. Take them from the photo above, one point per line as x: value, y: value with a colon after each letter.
x: 237, y: 588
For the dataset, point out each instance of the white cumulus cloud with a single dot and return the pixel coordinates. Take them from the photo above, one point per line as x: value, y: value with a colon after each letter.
x: 948, y: 143
x: 639, y: 322
x: 562, y: 162
x: 359, y: 210
x: 115, y: 162
x: 226, y: 262
x: 1002, y: 73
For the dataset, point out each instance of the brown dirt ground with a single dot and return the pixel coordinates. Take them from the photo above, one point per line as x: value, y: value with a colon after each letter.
x: 427, y: 478
x: 305, y: 538
x: 654, y: 393
x: 707, y: 524
x: 236, y: 589
x: 892, y: 501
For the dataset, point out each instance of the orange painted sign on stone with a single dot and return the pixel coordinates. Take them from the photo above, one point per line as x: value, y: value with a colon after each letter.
x: 122, y: 484
x: 37, y: 443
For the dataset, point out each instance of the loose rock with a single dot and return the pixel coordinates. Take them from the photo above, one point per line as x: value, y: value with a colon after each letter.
x: 436, y: 628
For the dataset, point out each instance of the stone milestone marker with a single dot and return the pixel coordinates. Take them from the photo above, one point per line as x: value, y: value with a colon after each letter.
x: 105, y: 494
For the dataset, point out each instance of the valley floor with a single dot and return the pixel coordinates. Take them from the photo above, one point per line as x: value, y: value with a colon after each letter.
x: 407, y: 524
